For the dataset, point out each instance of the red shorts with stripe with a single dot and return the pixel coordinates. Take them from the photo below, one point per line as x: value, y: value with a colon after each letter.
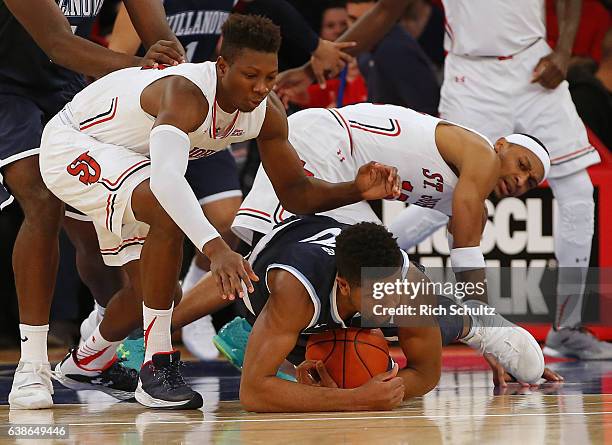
x: 98, y: 180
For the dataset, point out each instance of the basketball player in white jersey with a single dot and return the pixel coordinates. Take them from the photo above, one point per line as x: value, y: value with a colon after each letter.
x: 118, y: 153
x: 443, y: 166
x: 502, y: 77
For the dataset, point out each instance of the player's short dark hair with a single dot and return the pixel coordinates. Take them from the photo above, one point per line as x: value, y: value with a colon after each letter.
x: 249, y: 32
x: 539, y: 142
x: 365, y: 245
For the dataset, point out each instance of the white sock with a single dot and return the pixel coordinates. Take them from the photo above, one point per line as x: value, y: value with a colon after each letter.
x: 157, y: 330
x: 194, y: 274
x: 573, y: 234
x: 96, y: 353
x: 99, y: 312
x: 33, y: 343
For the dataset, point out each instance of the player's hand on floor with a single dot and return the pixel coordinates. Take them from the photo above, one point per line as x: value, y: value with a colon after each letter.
x: 383, y: 392
x: 230, y: 269
x: 501, y: 378
x: 164, y: 52
x: 314, y: 373
x: 378, y: 181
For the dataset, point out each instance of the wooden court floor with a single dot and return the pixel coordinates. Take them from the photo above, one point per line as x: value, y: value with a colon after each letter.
x: 463, y: 409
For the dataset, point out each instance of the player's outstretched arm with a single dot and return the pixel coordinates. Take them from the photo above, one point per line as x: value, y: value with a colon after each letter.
x: 180, y: 108
x: 301, y: 194
x: 52, y: 33
x: 287, y: 312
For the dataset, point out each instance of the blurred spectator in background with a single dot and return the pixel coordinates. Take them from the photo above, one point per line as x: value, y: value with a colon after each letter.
x: 425, y: 22
x: 592, y: 93
x: 334, y: 21
x: 397, y: 70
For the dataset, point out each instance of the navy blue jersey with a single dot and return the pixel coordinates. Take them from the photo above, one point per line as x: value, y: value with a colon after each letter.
x: 197, y: 24
x: 25, y: 68
x: 304, y: 247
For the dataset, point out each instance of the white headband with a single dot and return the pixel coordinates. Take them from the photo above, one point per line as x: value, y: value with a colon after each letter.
x: 534, y: 147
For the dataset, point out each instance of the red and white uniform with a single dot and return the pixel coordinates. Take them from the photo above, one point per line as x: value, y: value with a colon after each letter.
x: 334, y: 143
x: 494, y: 46
x: 95, y: 151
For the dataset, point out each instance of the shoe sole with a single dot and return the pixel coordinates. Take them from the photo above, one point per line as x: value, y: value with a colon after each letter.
x: 223, y: 348
x: 145, y: 399
x: 30, y: 402
x: 75, y: 385
x: 536, y: 347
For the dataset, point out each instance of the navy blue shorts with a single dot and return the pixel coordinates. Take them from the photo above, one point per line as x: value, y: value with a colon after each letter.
x: 211, y: 178
x: 22, y: 120
x: 214, y: 177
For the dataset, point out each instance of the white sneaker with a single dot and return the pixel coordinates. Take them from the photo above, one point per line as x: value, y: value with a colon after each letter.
x: 576, y: 343
x: 197, y: 337
x: 32, y: 387
x: 513, y: 347
x: 88, y: 326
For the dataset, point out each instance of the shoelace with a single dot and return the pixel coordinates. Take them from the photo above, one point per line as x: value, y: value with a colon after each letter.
x: 171, y: 375
x: 122, y: 372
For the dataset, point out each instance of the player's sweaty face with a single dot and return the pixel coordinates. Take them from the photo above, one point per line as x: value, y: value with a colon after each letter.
x: 521, y: 171
x: 250, y: 78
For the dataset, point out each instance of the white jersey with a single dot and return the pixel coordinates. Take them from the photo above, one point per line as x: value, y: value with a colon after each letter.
x: 334, y: 143
x: 109, y: 110
x: 497, y: 28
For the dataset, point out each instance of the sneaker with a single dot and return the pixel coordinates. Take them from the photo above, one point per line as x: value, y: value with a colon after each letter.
x: 115, y: 380
x: 577, y: 343
x: 161, y: 384
x: 32, y: 387
x: 231, y: 341
x: 198, y: 338
x: 513, y: 347
x: 131, y: 352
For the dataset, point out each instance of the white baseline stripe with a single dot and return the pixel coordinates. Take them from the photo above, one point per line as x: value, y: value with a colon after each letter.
x: 318, y: 419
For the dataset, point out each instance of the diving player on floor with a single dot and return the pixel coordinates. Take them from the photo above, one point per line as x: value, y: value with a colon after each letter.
x: 310, y: 272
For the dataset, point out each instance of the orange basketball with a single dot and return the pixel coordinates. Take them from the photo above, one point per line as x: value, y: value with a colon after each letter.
x: 352, y: 356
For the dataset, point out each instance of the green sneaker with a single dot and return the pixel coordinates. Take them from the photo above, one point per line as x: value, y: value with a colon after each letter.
x: 132, y: 351
x: 231, y: 341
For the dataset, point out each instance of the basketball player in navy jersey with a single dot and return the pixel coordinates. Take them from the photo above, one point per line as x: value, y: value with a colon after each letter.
x: 43, y: 51
x: 310, y: 270
x: 132, y: 134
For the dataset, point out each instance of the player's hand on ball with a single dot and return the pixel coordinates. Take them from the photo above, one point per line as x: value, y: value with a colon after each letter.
x: 230, y: 269
x: 164, y: 52
x: 383, y: 392
x: 314, y: 373
x: 378, y: 181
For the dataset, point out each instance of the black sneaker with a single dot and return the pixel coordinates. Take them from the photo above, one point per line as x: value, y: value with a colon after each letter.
x: 115, y: 380
x: 161, y: 384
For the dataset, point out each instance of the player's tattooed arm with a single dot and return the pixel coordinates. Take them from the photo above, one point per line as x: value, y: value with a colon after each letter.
x: 423, y: 348
x: 286, y: 313
x: 46, y: 24
x: 301, y: 194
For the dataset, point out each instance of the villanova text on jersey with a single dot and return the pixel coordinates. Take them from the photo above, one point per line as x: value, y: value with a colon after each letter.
x: 80, y: 8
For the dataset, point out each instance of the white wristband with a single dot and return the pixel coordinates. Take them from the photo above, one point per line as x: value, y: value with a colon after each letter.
x: 467, y: 258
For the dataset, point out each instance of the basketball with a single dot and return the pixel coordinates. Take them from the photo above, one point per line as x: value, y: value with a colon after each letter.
x: 351, y: 356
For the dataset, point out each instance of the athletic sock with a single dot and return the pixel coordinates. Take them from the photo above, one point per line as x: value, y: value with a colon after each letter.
x: 99, y: 312
x: 157, y: 331
x: 34, y: 343
x: 96, y: 353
